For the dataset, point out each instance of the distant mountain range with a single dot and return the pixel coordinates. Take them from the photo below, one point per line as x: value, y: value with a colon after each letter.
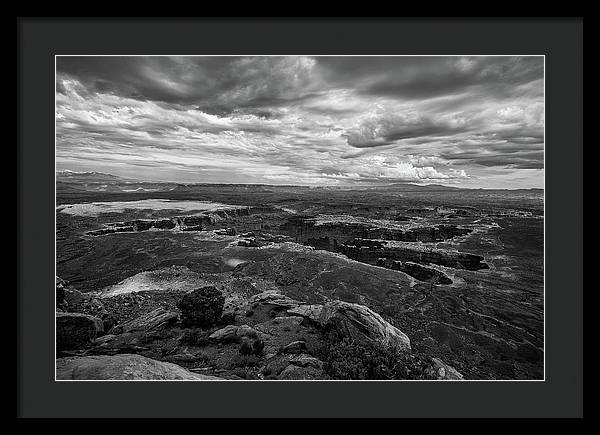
x: 410, y: 187
x: 100, y: 178
x: 89, y: 177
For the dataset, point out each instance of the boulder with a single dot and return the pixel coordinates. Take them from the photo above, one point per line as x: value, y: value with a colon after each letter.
x: 60, y: 292
x: 354, y: 321
x: 293, y: 367
x: 152, y: 320
x: 441, y: 371
x: 226, y: 232
x: 275, y: 365
x: 68, y: 298
x: 288, y: 321
x: 76, y: 330
x: 295, y: 347
x: 273, y: 297
x: 202, y: 307
x: 122, y: 367
x: 232, y: 332
x: 246, y: 331
x: 312, y: 312
x: 224, y: 334
x: 104, y: 339
x: 296, y: 373
x: 250, y: 242
x: 305, y: 360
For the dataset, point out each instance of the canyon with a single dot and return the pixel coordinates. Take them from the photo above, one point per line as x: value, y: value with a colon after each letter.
x: 458, y: 273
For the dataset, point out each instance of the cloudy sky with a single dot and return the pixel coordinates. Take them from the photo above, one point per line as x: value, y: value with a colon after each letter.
x: 462, y: 121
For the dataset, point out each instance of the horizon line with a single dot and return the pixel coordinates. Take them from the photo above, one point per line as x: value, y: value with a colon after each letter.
x: 412, y: 183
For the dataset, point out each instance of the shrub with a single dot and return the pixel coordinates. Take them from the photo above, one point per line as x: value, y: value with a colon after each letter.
x: 345, y: 359
x: 245, y: 348
x: 203, y: 358
x: 194, y: 337
x: 254, y: 347
x: 242, y: 373
x: 244, y: 361
x: 203, y: 307
x: 227, y: 319
x: 258, y: 346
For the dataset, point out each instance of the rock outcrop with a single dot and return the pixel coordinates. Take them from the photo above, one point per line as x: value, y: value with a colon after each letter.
x: 372, y: 251
x: 76, y: 330
x: 387, y: 244
x: 153, y: 320
x: 60, y: 292
x: 325, y: 232
x: 233, y: 332
x: 122, y: 367
x: 202, y: 307
x: 422, y: 273
x: 294, y: 367
x: 273, y: 297
x: 298, y: 346
x: 355, y: 322
x: 69, y: 299
x: 349, y: 320
x: 439, y: 370
x: 198, y: 222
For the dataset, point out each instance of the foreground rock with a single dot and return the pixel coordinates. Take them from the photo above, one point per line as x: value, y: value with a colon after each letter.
x: 69, y: 299
x: 270, y: 336
x: 203, y: 307
x: 355, y: 322
x: 233, y: 332
x: 76, y: 330
x: 439, y: 370
x: 294, y: 367
x: 122, y: 367
x: 352, y: 321
x: 273, y: 297
x: 60, y: 292
x: 153, y: 320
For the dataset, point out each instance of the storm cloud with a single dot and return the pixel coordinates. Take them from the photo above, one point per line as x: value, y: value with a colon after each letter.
x: 466, y: 121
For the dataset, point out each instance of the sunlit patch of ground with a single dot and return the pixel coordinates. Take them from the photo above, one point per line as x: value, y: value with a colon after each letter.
x: 233, y: 262
x: 174, y: 278
x: 96, y: 208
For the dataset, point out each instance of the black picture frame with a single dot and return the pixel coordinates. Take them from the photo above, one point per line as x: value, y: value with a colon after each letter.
x: 560, y: 40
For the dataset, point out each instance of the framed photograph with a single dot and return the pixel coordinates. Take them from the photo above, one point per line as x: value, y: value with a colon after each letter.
x: 290, y: 217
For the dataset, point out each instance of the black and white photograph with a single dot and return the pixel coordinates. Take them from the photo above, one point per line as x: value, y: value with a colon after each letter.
x: 300, y: 218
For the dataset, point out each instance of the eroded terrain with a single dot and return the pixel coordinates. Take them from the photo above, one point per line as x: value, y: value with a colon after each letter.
x: 459, y: 273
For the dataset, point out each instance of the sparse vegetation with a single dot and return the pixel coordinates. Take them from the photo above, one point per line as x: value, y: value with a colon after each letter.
x: 344, y: 359
x: 194, y: 337
x: 243, y: 373
x: 457, y: 324
x: 251, y: 347
x: 245, y: 361
x: 227, y: 319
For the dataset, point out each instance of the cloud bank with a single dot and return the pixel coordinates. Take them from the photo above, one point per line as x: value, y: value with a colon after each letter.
x: 465, y: 121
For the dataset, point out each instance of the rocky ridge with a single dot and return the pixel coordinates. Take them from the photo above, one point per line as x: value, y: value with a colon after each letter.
x: 264, y: 336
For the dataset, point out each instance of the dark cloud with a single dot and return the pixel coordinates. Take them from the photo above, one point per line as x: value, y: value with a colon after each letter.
x: 498, y: 155
x: 427, y: 77
x: 168, y: 79
x: 299, y: 119
x: 216, y: 84
x: 390, y: 127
